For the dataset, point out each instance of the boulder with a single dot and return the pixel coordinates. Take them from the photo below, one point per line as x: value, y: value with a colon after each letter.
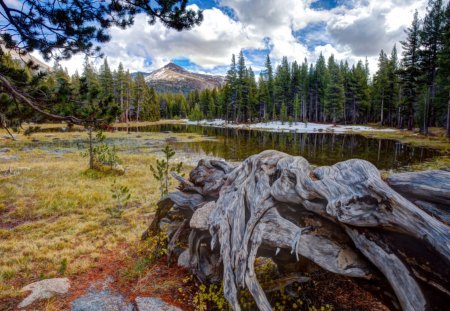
x: 44, y: 289
x: 153, y: 304
x: 200, y: 218
x: 184, y: 259
x: 103, y: 300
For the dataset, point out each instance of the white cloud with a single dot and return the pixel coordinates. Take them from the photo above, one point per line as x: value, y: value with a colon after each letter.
x: 358, y: 29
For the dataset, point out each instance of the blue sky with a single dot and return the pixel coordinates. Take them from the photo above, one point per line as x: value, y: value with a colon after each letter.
x: 298, y: 29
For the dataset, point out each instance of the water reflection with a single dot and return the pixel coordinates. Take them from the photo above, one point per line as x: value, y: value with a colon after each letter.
x: 317, y: 148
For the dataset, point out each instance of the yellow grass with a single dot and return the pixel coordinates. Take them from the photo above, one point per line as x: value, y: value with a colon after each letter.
x: 53, y: 210
x: 435, y: 140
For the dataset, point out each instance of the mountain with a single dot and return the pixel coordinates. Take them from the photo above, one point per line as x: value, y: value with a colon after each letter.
x: 24, y: 59
x: 175, y: 79
x: 134, y: 74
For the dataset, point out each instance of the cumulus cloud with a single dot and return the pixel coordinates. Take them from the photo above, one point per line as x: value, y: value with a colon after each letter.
x: 372, y: 25
x: 353, y: 30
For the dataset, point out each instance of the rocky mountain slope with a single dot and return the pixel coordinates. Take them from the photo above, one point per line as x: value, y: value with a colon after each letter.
x: 175, y: 79
x: 24, y: 59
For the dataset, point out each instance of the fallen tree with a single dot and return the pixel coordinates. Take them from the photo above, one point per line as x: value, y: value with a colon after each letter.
x: 342, y: 218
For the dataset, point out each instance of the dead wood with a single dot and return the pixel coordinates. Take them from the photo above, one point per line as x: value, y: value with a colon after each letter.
x: 342, y: 218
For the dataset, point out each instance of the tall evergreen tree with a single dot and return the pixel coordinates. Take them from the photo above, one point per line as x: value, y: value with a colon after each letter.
x: 430, y: 38
x: 231, y: 82
x: 409, y: 72
x: 335, y: 96
x: 444, y: 65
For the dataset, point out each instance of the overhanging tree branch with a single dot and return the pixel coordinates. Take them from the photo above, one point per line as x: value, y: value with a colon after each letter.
x: 22, y: 98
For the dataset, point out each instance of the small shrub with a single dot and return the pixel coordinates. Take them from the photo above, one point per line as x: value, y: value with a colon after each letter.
x: 121, y: 194
x: 163, y: 168
x: 63, y: 266
x: 102, y: 153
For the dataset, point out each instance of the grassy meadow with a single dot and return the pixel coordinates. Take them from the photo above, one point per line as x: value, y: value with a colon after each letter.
x: 54, y: 218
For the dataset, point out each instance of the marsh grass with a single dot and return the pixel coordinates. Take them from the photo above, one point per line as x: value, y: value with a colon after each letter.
x: 54, y: 217
x: 435, y: 140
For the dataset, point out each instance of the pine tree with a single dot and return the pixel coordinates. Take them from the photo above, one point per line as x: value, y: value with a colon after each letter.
x: 335, y: 97
x: 444, y: 65
x: 140, y: 89
x: 409, y: 72
x: 430, y: 38
x: 231, y: 88
x: 380, y: 85
x: 211, y: 108
x: 321, y: 81
x: 263, y: 97
x: 269, y: 109
x: 106, y: 80
x: 283, y: 113
x: 252, y: 94
x: 296, y: 108
x: 242, y: 90
x: 393, y: 88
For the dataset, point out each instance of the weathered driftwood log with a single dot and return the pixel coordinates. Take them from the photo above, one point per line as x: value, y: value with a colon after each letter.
x: 429, y: 190
x: 343, y: 218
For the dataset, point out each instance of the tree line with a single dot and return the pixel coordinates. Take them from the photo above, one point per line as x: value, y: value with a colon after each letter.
x: 405, y: 92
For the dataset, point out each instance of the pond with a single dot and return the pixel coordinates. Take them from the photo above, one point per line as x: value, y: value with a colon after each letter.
x: 318, y: 148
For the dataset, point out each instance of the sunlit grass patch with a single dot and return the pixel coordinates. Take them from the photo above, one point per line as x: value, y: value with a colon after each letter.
x: 54, y: 218
x: 435, y: 140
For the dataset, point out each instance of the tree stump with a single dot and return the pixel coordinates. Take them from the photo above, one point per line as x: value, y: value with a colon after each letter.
x: 343, y: 218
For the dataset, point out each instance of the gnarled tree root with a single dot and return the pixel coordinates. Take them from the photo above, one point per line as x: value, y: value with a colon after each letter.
x: 344, y: 218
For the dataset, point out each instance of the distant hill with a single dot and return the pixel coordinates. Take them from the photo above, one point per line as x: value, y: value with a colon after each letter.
x: 175, y: 79
x: 24, y: 59
x: 134, y: 74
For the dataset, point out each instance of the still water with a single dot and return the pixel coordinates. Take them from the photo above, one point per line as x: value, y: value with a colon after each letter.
x: 318, y: 148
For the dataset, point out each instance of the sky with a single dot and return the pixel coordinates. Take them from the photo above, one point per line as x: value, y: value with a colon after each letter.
x: 298, y: 29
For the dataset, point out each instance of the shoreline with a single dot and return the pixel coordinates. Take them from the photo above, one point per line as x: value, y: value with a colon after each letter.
x: 298, y: 127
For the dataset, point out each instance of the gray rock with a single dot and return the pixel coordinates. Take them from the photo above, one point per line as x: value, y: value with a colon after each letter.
x: 60, y: 151
x: 103, y: 300
x: 184, y: 259
x: 8, y: 158
x: 154, y: 304
x: 44, y: 289
x: 27, y: 148
x: 4, y: 150
x: 200, y: 218
x: 171, y: 140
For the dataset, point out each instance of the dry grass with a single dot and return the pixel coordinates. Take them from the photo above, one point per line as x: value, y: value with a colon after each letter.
x: 147, y: 123
x: 53, y: 218
x: 436, y: 138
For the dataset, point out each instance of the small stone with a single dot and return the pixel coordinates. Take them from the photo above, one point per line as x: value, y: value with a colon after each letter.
x: 171, y: 140
x: 102, y: 300
x: 184, y: 259
x: 154, y: 304
x: 4, y: 150
x: 200, y: 218
x: 45, y: 289
x: 119, y: 169
x: 60, y: 151
x: 8, y: 158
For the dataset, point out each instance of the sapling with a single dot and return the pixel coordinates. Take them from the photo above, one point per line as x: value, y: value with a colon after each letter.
x: 163, y: 168
x: 122, y: 195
